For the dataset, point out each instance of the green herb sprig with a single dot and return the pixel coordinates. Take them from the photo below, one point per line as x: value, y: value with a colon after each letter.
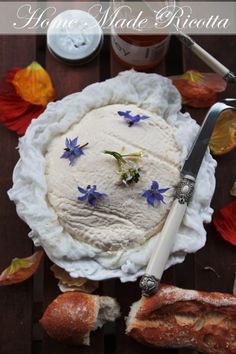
x: 127, y: 165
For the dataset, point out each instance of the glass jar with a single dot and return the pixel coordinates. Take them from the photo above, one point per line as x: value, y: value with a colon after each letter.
x: 139, y: 51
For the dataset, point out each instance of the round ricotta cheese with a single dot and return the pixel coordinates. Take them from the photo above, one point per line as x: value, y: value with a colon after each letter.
x: 123, y: 219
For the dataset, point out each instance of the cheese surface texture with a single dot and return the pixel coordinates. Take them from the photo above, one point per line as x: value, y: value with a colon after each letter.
x: 123, y: 219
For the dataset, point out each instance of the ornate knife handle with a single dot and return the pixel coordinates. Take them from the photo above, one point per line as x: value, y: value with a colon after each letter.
x: 184, y: 190
x: 150, y: 281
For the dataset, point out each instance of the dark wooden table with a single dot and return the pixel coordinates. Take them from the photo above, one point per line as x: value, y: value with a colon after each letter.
x: 22, y: 305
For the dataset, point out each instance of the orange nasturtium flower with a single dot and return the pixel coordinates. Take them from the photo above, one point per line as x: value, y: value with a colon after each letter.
x: 199, y: 90
x: 24, y: 94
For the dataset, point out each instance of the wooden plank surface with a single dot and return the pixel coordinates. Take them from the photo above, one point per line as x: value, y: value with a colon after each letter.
x: 22, y: 305
x: 217, y: 253
x: 15, y: 301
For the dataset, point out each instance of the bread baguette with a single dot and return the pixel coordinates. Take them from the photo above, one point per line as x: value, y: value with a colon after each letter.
x: 73, y: 315
x: 176, y: 317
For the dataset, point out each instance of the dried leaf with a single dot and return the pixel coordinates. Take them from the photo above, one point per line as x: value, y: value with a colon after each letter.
x: 225, y: 222
x: 67, y: 283
x: 33, y: 84
x: 197, y: 89
x: 233, y: 190
x: 21, y: 269
x: 223, y: 138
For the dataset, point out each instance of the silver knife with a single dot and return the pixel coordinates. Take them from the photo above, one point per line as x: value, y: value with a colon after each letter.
x: 149, y: 282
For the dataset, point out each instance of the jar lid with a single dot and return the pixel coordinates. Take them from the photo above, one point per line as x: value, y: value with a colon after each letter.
x: 74, y: 36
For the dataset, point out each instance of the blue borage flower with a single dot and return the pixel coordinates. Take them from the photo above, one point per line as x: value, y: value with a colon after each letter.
x: 155, y: 195
x: 90, y: 195
x: 131, y: 119
x: 72, y: 150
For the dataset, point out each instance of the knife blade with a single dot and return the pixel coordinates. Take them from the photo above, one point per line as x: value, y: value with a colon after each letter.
x: 194, y: 159
x: 149, y: 282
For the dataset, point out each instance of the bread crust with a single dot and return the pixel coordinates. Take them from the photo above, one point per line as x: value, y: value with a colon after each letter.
x: 71, y: 317
x: 176, y: 317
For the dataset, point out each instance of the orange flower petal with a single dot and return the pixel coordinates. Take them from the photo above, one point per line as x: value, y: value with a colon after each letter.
x: 33, y: 84
x: 20, y: 269
x: 225, y: 222
x: 223, y: 138
x: 214, y: 82
x: 199, y: 90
